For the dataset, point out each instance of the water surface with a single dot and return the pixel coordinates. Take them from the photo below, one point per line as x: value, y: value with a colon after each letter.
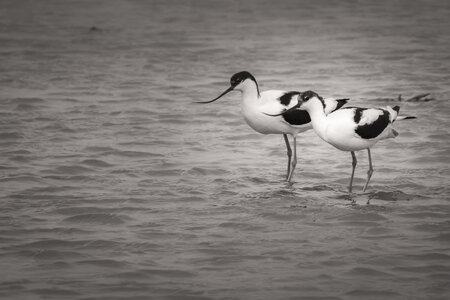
x: 113, y: 185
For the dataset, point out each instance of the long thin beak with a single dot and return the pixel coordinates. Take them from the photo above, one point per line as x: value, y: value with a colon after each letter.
x: 286, y: 111
x: 227, y: 91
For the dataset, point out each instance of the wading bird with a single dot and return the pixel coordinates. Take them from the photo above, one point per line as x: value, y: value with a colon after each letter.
x: 257, y: 107
x: 350, y: 128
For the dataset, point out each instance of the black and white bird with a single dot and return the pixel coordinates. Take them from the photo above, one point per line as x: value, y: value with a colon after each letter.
x: 257, y: 106
x: 350, y: 128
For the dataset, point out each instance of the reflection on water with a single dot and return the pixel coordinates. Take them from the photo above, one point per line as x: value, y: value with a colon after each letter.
x: 115, y: 186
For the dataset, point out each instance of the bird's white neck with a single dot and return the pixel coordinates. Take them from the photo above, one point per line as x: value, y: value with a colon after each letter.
x: 249, y: 89
x: 319, y: 120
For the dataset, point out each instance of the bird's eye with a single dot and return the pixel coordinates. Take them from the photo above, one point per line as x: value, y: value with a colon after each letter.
x: 307, y: 95
x: 236, y: 81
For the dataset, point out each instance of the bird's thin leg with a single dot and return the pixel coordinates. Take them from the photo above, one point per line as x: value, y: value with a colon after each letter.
x: 294, y: 159
x: 370, y: 172
x: 354, y: 161
x: 289, y: 154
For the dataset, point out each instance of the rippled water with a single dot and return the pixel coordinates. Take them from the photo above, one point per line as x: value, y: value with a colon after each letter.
x: 113, y: 185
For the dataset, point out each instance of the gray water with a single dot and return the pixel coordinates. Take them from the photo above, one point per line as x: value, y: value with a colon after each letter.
x: 113, y: 185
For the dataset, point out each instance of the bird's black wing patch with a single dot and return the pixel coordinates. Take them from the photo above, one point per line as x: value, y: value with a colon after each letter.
x: 358, y: 114
x: 297, y: 117
x: 396, y: 108
x: 341, y: 102
x: 371, y: 130
x: 286, y: 98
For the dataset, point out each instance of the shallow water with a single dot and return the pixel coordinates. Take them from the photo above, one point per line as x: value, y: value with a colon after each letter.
x: 113, y: 185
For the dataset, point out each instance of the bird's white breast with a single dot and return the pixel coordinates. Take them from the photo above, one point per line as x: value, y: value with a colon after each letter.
x: 255, y: 109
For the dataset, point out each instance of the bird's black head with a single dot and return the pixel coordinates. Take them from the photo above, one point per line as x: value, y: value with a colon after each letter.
x: 235, y: 80
x: 306, y: 96
x: 240, y: 77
